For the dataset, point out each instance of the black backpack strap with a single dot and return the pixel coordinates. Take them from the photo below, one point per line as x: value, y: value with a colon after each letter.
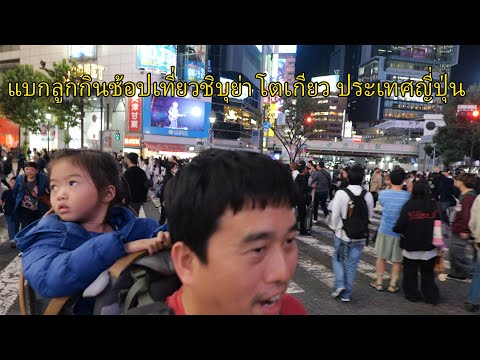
x: 364, y: 192
x: 349, y: 192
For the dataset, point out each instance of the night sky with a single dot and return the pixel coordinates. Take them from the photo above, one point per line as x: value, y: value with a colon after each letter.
x: 313, y: 60
x: 468, y: 68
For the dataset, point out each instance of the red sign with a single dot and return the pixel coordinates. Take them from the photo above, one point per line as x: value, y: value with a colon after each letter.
x: 131, y: 141
x: 165, y: 147
x: 135, y: 114
x: 357, y: 138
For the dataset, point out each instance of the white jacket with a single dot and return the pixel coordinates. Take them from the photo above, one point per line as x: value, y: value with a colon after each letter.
x: 474, y: 223
x: 338, y: 207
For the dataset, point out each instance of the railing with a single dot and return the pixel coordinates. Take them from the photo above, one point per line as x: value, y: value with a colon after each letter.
x: 362, y: 147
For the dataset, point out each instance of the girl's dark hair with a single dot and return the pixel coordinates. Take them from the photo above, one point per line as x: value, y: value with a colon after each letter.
x: 102, y: 168
x: 421, y: 190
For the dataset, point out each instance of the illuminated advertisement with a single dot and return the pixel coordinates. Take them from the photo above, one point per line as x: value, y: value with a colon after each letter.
x: 83, y: 51
x: 134, y: 114
x: 245, y: 89
x: 332, y: 81
x: 195, y: 62
x: 348, y: 129
x: 287, y: 49
x: 176, y: 117
x: 281, y: 70
x: 156, y: 57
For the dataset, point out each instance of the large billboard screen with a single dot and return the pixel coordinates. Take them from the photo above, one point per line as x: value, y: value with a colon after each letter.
x: 83, y: 51
x: 176, y: 117
x: 287, y: 49
x: 195, y: 62
x: 156, y: 57
x: 332, y: 81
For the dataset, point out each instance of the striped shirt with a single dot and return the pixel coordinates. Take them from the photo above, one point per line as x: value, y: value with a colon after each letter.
x: 392, y: 202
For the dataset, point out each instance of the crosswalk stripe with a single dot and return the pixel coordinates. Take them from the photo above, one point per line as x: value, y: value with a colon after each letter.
x: 363, y: 267
x: 367, y: 249
x: 9, y: 278
x: 294, y: 288
x: 320, y: 272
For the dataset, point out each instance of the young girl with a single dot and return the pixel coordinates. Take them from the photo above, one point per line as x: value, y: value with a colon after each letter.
x: 91, y: 228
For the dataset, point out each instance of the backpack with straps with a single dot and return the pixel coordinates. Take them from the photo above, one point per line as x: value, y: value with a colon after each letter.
x: 355, y: 224
x: 136, y: 284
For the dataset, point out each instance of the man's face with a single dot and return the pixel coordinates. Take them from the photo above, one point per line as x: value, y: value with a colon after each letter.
x: 251, y: 259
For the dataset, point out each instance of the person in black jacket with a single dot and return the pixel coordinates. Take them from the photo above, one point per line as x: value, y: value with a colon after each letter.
x: 303, y: 193
x: 415, y: 225
x: 137, y: 182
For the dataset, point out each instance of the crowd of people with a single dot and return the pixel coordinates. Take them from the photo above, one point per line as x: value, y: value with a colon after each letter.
x: 205, y: 206
x: 411, y: 205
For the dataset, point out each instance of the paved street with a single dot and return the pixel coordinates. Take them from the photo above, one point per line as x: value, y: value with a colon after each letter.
x: 312, y: 283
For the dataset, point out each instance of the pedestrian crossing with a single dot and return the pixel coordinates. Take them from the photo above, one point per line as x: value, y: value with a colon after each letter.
x: 322, y: 240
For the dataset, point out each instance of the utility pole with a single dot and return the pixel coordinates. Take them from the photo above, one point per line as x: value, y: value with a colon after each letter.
x: 101, y: 123
x: 82, y: 116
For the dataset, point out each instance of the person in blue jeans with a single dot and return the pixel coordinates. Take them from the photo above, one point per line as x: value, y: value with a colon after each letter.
x: 8, y: 203
x: 347, y: 251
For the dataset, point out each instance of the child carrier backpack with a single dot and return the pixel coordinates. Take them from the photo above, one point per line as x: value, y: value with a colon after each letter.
x: 136, y: 284
x: 356, y: 223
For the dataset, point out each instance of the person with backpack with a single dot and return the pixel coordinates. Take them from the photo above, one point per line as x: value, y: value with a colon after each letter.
x: 387, y: 243
x: 232, y: 225
x: 91, y: 227
x: 351, y: 207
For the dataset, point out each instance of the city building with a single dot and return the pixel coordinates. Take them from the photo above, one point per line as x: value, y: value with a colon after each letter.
x: 397, y: 115
x: 135, y: 123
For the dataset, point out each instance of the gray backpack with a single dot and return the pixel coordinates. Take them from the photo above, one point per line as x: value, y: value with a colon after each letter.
x: 136, y: 284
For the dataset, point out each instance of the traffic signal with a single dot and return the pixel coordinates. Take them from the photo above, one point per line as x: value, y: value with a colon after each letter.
x: 469, y: 116
x: 309, y: 120
x: 117, y: 136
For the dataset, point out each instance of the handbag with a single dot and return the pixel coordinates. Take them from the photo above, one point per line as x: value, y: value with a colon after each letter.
x: 437, y: 240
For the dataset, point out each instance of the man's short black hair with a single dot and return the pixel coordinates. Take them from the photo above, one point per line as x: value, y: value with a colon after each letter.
x: 356, y: 174
x: 133, y: 157
x: 397, y: 176
x: 217, y: 180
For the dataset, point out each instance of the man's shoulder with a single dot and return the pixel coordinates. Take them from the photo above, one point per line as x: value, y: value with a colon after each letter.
x: 292, y: 306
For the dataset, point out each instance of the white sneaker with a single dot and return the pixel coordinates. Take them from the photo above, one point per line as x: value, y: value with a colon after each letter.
x: 338, y: 292
x: 345, y: 300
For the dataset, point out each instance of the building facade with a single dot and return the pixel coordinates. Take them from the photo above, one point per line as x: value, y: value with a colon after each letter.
x: 126, y: 123
x: 399, y: 63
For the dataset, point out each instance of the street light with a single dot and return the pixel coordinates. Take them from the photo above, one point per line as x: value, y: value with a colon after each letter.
x: 48, y: 117
x: 212, y: 117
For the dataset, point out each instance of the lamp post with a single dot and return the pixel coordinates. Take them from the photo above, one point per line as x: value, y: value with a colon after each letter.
x: 48, y: 117
x: 212, y: 117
